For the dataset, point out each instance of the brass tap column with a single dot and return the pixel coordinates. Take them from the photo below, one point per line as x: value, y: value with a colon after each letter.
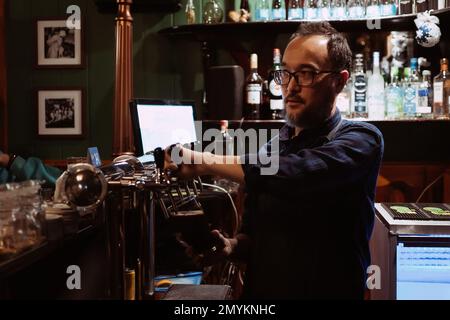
x: 122, y: 131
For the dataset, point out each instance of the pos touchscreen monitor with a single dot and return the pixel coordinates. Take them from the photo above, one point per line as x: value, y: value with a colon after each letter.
x: 161, y: 123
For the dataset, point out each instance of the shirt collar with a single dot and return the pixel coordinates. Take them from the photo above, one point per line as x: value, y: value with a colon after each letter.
x: 287, y: 131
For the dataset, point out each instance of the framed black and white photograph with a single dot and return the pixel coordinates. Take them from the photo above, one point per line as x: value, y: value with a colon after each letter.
x: 58, y: 46
x: 60, y: 113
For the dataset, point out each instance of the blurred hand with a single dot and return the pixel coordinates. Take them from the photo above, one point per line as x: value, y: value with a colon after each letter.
x: 224, y: 248
x: 185, y: 170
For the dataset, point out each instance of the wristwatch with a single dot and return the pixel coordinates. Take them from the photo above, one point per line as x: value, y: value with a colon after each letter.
x: 12, y: 157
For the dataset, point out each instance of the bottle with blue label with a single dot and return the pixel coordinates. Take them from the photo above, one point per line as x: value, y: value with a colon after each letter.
x: 263, y: 8
x: 310, y: 9
x: 394, y: 96
x: 295, y: 10
x: 389, y: 8
x: 356, y: 9
x: 278, y: 10
x: 373, y: 9
x: 324, y: 9
x: 411, y: 90
x: 338, y: 9
x: 425, y: 100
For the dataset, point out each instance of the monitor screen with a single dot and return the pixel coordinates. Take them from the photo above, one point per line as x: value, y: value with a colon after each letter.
x: 423, y: 271
x: 162, y: 123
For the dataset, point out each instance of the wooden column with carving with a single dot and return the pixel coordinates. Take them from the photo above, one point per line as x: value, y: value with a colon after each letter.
x: 3, y: 104
x: 122, y: 130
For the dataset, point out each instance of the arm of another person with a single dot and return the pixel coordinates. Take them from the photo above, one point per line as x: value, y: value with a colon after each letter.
x: 32, y: 168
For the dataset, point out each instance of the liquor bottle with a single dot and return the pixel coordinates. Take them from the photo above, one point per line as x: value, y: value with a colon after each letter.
x: 275, y: 93
x: 425, y: 99
x: 190, y: 12
x: 224, y: 143
x: 343, y: 100
x: 323, y: 9
x: 278, y: 10
x: 356, y: 9
x: 295, y: 10
x: 373, y: 9
x: 254, y: 85
x: 375, y: 97
x: 405, y: 7
x: 359, y: 94
x: 338, y: 9
x: 310, y: 9
x: 263, y: 8
x: 265, y: 112
x: 245, y: 5
x: 394, y: 96
x: 389, y: 8
x: 358, y: 58
x: 441, y: 91
x: 224, y: 146
x: 421, y: 5
x: 411, y: 89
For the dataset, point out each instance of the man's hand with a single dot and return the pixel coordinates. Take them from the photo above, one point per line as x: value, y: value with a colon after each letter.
x: 185, y: 170
x: 224, y: 247
x: 4, y: 160
x: 196, y: 164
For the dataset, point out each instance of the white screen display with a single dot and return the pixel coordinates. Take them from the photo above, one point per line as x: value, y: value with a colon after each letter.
x: 164, y: 125
x: 423, y: 273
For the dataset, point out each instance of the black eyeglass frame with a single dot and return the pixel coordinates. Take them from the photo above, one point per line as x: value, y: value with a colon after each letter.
x: 278, y: 74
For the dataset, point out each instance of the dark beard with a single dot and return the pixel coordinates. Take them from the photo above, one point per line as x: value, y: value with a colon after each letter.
x: 307, y: 119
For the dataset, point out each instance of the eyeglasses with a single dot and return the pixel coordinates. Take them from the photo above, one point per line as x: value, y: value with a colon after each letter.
x: 304, y: 78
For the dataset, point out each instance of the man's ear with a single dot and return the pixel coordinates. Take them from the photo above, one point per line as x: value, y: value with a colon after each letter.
x: 343, y: 78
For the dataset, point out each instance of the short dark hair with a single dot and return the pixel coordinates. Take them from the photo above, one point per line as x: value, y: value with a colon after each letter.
x: 339, y: 51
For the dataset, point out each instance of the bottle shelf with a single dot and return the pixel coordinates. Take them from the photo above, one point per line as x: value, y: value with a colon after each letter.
x: 388, y: 23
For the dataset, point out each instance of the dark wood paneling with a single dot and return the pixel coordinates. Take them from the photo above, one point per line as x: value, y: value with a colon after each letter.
x: 3, y: 84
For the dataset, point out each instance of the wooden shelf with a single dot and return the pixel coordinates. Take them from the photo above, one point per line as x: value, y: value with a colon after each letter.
x: 206, y: 31
x: 140, y: 6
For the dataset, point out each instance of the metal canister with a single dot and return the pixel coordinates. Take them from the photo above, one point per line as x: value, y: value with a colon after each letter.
x: 129, y: 284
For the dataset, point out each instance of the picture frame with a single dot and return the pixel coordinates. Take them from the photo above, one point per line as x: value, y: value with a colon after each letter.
x: 58, y: 46
x: 60, y: 112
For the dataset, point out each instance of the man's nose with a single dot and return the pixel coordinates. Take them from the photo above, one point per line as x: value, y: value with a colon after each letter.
x: 293, y: 88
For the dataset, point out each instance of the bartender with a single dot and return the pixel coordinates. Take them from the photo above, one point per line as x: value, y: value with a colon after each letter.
x: 306, y: 229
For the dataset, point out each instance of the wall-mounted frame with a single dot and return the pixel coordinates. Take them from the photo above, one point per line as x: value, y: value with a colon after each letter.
x: 60, y: 112
x: 58, y: 46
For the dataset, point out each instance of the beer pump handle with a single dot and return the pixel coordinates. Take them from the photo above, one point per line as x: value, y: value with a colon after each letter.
x: 159, y: 158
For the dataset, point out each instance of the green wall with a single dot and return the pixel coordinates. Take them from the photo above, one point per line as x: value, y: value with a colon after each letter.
x: 163, y: 68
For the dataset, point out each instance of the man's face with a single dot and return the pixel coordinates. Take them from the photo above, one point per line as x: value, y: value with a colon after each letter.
x: 309, y: 106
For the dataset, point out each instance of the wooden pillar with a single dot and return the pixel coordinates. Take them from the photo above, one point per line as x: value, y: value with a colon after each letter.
x: 122, y: 130
x: 3, y: 82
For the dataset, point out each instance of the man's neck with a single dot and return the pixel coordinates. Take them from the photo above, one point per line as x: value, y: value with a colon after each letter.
x: 300, y: 129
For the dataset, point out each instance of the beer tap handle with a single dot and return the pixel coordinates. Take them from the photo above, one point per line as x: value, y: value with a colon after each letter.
x: 159, y: 158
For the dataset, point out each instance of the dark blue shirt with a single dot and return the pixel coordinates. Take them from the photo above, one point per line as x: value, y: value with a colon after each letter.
x: 310, y: 223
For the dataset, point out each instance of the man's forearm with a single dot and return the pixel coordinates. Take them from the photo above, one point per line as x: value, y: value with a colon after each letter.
x: 224, y: 166
x: 206, y: 163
